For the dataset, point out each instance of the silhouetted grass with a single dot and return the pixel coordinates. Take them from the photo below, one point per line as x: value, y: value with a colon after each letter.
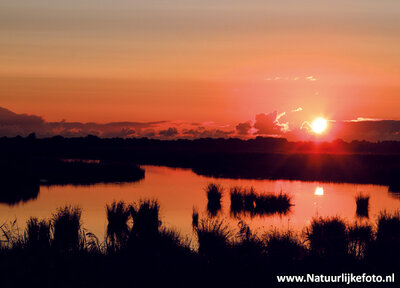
x: 146, y: 218
x: 360, y: 237
x: 271, y: 204
x: 327, y: 237
x: 10, y: 238
x: 214, y: 237
x: 66, y: 226
x: 118, y: 215
x: 388, y: 227
x: 37, y: 234
x: 237, y: 199
x: 284, y: 247
x: 248, y: 244
x: 195, y: 218
x: 170, y: 242
x: 385, y: 251
x: 214, y: 196
x: 249, y: 202
x: 160, y: 253
x: 362, y: 202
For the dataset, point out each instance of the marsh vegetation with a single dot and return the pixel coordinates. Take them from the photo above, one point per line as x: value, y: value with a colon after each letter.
x: 138, y: 242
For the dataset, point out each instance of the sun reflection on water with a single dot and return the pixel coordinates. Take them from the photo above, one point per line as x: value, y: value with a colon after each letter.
x: 319, y: 191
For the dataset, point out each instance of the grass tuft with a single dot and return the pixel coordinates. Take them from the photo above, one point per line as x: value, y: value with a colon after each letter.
x: 37, y: 234
x: 249, y: 202
x: 362, y: 202
x: 118, y: 215
x: 214, y: 237
x: 214, y: 196
x: 146, y: 218
x: 327, y: 237
x: 66, y: 228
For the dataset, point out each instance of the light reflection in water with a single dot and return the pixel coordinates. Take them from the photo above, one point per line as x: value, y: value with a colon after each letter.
x: 319, y: 191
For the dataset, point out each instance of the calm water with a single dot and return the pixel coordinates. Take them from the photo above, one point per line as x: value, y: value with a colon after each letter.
x: 179, y: 190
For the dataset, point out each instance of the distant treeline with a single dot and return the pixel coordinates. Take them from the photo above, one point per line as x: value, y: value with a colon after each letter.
x: 28, y: 160
x: 21, y: 177
x: 95, y: 146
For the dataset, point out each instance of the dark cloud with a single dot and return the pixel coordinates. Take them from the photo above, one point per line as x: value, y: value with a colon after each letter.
x: 367, y: 130
x: 148, y: 133
x: 202, y: 132
x: 12, y: 124
x: 170, y: 132
x: 123, y: 133
x: 8, y: 117
x: 113, y: 129
x: 244, y: 128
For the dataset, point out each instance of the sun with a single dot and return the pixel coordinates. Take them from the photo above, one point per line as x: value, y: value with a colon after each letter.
x: 319, y: 125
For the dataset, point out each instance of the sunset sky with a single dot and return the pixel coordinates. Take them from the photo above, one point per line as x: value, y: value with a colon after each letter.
x: 204, y: 64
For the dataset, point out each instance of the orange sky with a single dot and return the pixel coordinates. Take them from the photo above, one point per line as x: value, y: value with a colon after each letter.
x: 200, y: 61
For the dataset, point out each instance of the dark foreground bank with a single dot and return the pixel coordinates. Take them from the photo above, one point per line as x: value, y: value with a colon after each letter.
x: 140, y: 252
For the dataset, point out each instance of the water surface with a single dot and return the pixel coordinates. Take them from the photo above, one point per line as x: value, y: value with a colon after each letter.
x: 179, y: 190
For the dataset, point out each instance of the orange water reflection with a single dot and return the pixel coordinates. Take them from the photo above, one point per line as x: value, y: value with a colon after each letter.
x: 319, y: 191
x: 179, y: 190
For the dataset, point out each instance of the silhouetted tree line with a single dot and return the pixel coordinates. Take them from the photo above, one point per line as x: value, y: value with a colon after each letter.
x: 93, y: 145
x: 21, y: 175
x: 30, y: 162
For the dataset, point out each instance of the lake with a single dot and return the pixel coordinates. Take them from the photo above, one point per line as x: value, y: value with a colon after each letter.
x: 180, y: 190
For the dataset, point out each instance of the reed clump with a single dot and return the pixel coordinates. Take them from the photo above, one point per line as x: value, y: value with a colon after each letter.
x: 214, y: 195
x: 284, y: 247
x: 146, y: 218
x: 362, y: 202
x: 195, y: 218
x: 66, y: 227
x: 327, y: 237
x: 118, y: 216
x: 249, y: 202
x: 360, y: 237
x: 214, y: 237
x: 248, y: 244
x: 388, y: 227
x: 37, y: 234
x: 152, y: 249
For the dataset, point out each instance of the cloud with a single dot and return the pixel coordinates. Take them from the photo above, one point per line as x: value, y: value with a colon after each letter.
x: 12, y: 124
x: 149, y: 133
x: 244, y: 128
x: 306, y: 126
x: 360, y: 119
x: 113, y: 129
x: 202, y: 132
x: 370, y: 130
x: 123, y: 133
x: 266, y: 124
x: 170, y: 132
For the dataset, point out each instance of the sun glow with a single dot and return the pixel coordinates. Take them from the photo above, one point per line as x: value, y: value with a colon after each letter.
x: 319, y: 125
x: 319, y: 191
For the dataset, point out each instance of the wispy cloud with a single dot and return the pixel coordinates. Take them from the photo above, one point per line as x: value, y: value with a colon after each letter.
x: 298, y: 109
